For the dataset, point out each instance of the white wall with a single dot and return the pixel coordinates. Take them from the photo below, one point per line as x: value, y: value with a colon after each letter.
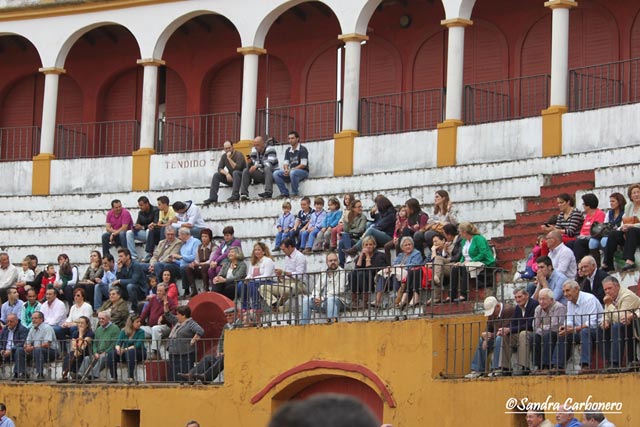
x: 105, y: 175
x: 16, y: 178
x: 599, y: 129
x: 510, y: 140
x: 395, y: 152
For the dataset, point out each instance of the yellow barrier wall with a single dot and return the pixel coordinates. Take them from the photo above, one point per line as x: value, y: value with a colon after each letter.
x: 405, y: 358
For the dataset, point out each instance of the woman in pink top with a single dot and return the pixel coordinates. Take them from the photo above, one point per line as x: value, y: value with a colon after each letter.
x: 580, y: 246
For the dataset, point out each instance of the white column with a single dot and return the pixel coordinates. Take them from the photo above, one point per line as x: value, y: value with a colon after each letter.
x: 351, y: 96
x: 455, y: 67
x: 149, y: 100
x: 249, y: 91
x: 49, y: 108
x: 559, y: 49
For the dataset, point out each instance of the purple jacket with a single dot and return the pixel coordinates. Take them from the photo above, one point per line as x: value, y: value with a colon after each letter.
x: 221, y: 253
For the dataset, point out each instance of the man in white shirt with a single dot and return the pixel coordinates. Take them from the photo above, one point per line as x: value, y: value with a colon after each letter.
x: 8, y: 275
x: 55, y: 313
x: 561, y: 256
x: 584, y: 313
x: 329, y: 294
x: 190, y: 216
x: 291, y: 279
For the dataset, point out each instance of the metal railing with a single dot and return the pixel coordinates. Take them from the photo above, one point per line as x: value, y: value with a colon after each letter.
x: 19, y: 143
x: 393, y: 293
x: 131, y: 365
x: 546, y: 345
x: 98, y: 139
x: 197, y: 133
x: 316, y: 121
x: 506, y: 99
x: 401, y: 112
x: 604, y: 85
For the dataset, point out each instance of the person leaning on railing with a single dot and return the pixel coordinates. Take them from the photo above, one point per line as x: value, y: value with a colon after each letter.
x: 362, y: 278
x: 261, y: 272
x: 622, y: 308
x: 548, y: 317
x: 444, y: 249
x: 233, y: 269
x: 81, y: 342
x: 182, y: 341
x: 405, y: 276
x: 129, y: 348
x: 329, y: 294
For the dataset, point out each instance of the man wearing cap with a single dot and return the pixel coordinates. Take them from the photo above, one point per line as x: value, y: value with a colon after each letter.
x: 499, y: 316
x: 212, y: 365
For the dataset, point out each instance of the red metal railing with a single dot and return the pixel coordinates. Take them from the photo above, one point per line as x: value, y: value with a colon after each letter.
x: 506, y: 99
x: 197, y: 133
x: 401, y: 112
x: 19, y: 143
x: 604, y: 85
x: 99, y: 139
x: 314, y: 122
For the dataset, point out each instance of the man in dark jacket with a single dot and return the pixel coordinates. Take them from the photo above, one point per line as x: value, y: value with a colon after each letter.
x: 232, y: 164
x: 130, y: 276
x: 148, y: 214
x: 591, y: 277
x: 12, y: 337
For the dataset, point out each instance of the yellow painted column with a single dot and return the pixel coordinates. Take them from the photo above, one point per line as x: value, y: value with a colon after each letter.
x: 448, y: 130
x: 343, y: 152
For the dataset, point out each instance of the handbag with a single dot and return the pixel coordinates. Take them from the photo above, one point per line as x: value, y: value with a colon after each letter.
x: 600, y: 229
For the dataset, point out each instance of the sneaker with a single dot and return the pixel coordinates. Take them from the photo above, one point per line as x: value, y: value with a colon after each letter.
x: 244, y: 197
x: 265, y: 195
x: 207, y: 202
x: 473, y: 374
x: 234, y: 198
x: 283, y: 196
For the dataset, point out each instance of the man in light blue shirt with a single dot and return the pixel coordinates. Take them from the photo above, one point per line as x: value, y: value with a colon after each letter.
x: 4, y: 420
x: 13, y: 305
x: 41, y: 345
x: 584, y: 313
x: 188, y: 253
x: 102, y: 289
x: 548, y: 277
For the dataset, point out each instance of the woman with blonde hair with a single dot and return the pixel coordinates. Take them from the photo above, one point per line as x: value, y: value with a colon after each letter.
x: 444, y: 212
x: 261, y: 272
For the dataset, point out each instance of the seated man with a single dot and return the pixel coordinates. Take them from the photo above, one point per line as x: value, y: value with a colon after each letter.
x: 622, y: 307
x: 102, y: 288
x: 295, y: 167
x: 116, y: 307
x: 536, y: 419
x: 548, y: 317
x: 188, y: 254
x: 329, y: 295
x: 189, y: 216
x: 8, y: 274
x: 565, y: 417
x: 498, y: 316
x: 118, y: 222
x: 561, y: 256
x: 153, y: 323
x: 595, y: 419
x: 519, y: 334
x: 549, y: 278
x: 54, y: 312
x: 29, y: 307
x: 12, y: 337
x: 166, y: 215
x: 106, y: 335
x: 148, y: 214
x: 40, y: 345
x: 263, y: 161
x: 584, y: 312
x: 290, y: 280
x: 211, y: 365
x: 162, y: 258
x: 131, y: 277
x: 591, y: 277
x: 13, y: 305
x: 230, y: 168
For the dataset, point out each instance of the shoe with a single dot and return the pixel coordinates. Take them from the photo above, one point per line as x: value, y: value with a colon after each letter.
x: 207, y: 202
x: 538, y: 372
x: 40, y: 378
x: 21, y: 377
x: 185, y: 376
x: 265, y: 195
x: 146, y: 258
x: 473, y: 374
x: 307, y: 251
x: 113, y: 381
x: 500, y: 373
x: 350, y: 251
x: 522, y: 372
x: 236, y: 198
x: 629, y: 267
x: 244, y: 197
x: 193, y: 294
x: 131, y: 381
x: 283, y: 196
x: 62, y: 380
x: 459, y: 300
x: 275, y: 250
x: 199, y: 377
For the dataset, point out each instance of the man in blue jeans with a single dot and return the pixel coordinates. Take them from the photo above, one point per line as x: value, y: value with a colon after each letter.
x: 295, y: 168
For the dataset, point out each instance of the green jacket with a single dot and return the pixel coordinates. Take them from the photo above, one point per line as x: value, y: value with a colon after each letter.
x: 480, y: 251
x: 105, y: 338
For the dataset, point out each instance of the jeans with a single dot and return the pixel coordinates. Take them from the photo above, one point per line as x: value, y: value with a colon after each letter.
x: 598, y: 243
x: 381, y: 237
x: 332, y: 305
x: 249, y: 293
x: 134, y: 236
x: 295, y: 177
x: 346, y: 242
x: 479, y: 361
x: 307, y: 238
x: 585, y: 338
x: 121, y: 240
x: 280, y: 236
x: 543, y: 348
x: 40, y: 355
x: 101, y: 293
x: 130, y: 356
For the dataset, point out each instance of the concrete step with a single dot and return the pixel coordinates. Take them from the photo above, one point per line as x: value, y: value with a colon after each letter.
x: 541, y: 203
x: 535, y: 217
x: 570, y: 177
x: 570, y: 188
x: 512, y: 229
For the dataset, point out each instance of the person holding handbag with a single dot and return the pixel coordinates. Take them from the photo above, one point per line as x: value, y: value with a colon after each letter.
x: 405, y: 276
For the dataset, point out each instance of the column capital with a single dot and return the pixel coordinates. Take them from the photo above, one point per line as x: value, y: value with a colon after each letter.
x: 251, y: 50
x: 561, y: 4
x: 456, y: 22
x: 151, y: 62
x: 52, y: 70
x: 353, y: 37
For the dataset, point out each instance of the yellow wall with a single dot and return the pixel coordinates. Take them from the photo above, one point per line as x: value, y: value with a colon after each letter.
x: 407, y: 356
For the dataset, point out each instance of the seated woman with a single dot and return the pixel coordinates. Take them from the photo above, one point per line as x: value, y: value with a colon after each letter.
x: 401, y: 223
x: 80, y: 308
x: 613, y: 218
x: 444, y: 212
x: 233, y: 269
x: 417, y: 220
x: 347, y: 200
x: 80, y: 348
x: 129, y: 348
x: 198, y: 269
x: 182, y: 341
x: 628, y: 235
x: 445, y: 249
x: 568, y: 222
x: 384, y: 218
x: 261, y: 272
x: 476, y: 254
x: 404, y: 275
x: 220, y: 254
x: 367, y: 265
x: 353, y: 227
x: 580, y: 246
x: 92, y: 276
x: 66, y: 278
